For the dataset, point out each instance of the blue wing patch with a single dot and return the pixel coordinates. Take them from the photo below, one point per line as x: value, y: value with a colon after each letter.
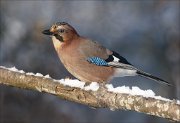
x: 97, y: 61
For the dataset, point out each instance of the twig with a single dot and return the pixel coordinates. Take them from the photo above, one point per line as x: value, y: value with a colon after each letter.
x: 101, y: 98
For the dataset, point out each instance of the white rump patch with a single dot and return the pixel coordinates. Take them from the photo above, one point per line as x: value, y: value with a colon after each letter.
x: 124, y: 72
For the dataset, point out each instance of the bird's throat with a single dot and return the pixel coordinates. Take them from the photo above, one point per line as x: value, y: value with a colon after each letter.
x: 57, y: 44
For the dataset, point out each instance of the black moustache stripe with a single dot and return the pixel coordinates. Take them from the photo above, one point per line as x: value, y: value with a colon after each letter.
x: 60, y: 38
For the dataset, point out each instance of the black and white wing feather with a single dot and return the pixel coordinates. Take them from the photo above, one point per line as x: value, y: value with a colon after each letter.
x: 124, y: 68
x: 115, y: 60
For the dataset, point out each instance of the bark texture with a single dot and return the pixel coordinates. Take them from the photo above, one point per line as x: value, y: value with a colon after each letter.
x: 97, y: 99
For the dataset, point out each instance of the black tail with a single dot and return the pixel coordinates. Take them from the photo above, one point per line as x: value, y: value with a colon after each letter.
x: 147, y: 75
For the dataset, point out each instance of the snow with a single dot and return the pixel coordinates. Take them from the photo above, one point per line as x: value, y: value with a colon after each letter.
x: 29, y: 73
x: 72, y: 83
x: 178, y: 101
x: 137, y: 91
x: 39, y: 74
x: 94, y: 86
x: 47, y: 76
x: 134, y: 91
x: 13, y: 69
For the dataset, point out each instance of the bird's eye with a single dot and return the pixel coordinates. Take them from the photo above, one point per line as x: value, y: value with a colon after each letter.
x: 61, y: 30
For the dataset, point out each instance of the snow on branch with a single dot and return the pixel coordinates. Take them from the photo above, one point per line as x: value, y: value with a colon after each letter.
x: 94, y: 95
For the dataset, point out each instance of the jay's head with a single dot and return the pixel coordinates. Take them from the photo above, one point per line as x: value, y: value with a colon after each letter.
x: 62, y: 31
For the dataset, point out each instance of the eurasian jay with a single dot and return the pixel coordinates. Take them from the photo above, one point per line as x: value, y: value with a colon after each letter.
x: 89, y: 61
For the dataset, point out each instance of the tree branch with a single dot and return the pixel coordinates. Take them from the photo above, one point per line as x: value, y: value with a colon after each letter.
x: 102, y: 98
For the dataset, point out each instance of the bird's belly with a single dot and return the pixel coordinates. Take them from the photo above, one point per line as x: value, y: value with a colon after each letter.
x: 88, y: 72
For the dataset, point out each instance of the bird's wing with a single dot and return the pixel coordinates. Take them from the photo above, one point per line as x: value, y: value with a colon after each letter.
x: 90, y: 48
x: 113, y: 60
x: 105, y: 57
x: 101, y: 56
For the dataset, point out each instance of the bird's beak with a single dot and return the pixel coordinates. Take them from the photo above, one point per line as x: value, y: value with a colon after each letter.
x: 47, y: 32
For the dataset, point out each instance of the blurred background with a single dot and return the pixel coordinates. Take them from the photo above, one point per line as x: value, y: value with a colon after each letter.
x: 146, y: 33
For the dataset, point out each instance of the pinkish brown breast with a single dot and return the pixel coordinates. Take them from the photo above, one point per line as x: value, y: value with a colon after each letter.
x: 75, y: 61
